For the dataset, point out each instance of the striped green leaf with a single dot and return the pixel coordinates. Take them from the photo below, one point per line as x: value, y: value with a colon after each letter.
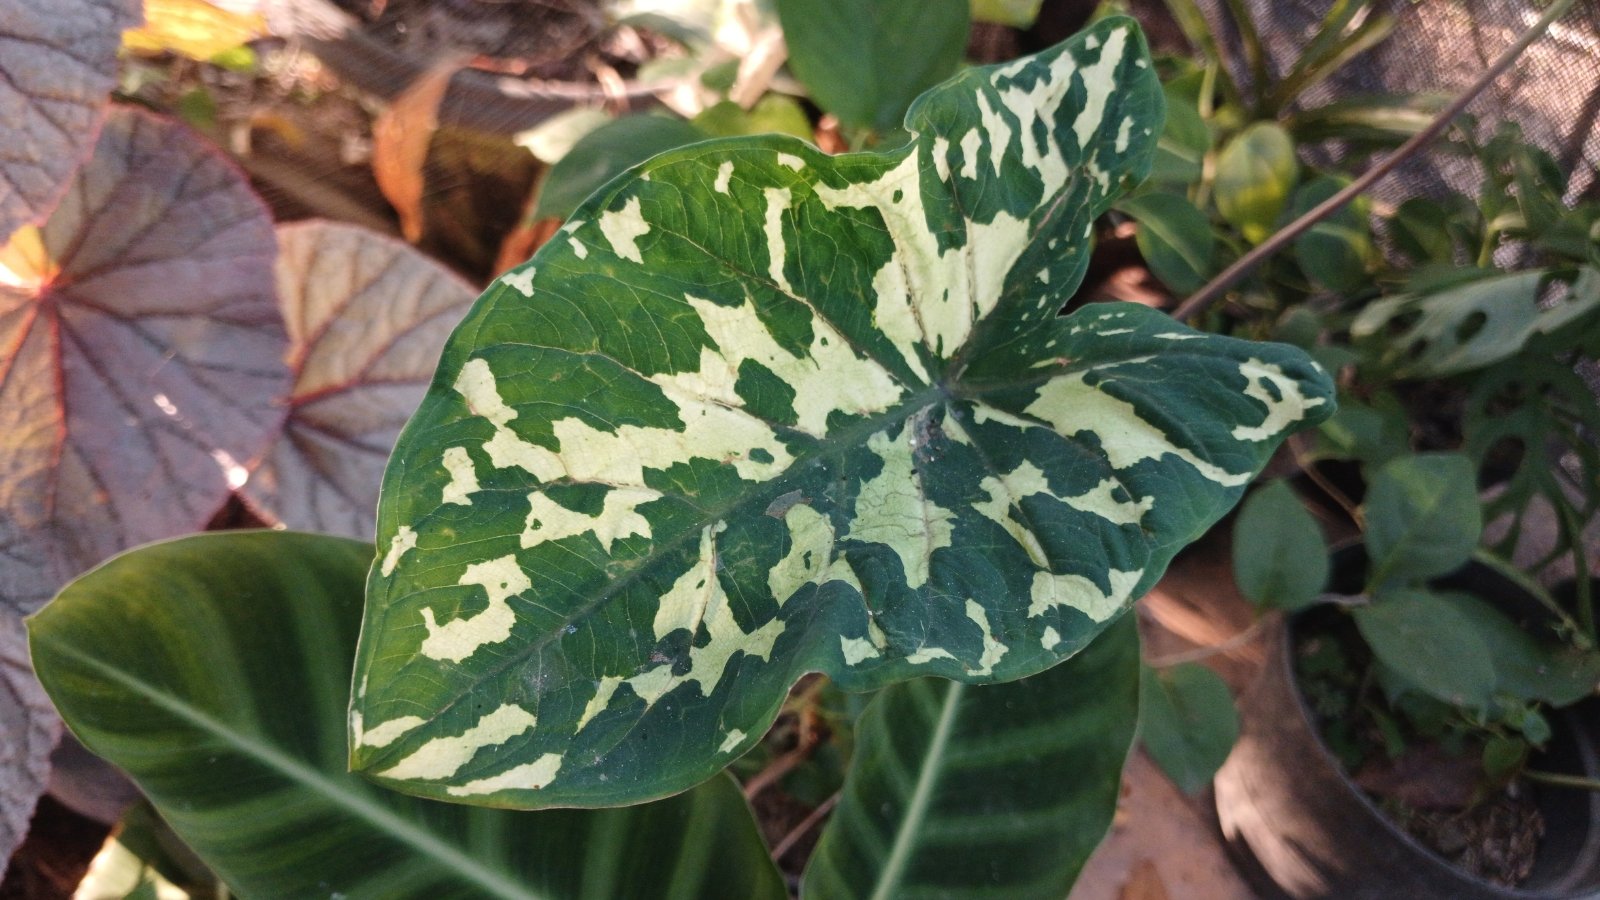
x: 996, y: 791
x: 759, y: 411
x: 215, y: 670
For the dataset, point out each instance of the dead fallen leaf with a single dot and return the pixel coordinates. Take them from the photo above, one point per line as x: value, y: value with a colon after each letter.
x: 1144, y: 883
x: 400, y: 139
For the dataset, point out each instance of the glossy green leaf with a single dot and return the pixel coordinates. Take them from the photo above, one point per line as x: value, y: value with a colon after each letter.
x: 759, y: 411
x: 773, y: 113
x: 1474, y: 325
x: 1001, y: 790
x: 214, y: 670
x: 1426, y: 639
x: 1256, y: 171
x: 604, y: 153
x: 1279, y: 558
x: 866, y: 60
x: 1187, y: 722
x: 1175, y: 239
x: 1422, y: 517
x: 1337, y: 252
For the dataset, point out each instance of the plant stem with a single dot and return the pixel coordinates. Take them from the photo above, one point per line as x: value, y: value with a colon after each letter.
x: 1559, y: 780
x: 1202, y: 299
x: 809, y: 822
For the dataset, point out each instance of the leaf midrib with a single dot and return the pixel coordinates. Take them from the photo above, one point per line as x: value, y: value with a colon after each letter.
x: 888, y: 883
x: 360, y: 807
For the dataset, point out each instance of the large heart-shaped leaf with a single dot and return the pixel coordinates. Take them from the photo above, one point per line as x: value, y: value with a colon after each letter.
x: 28, y: 731
x: 215, y: 670
x: 759, y: 411
x: 999, y: 791
x: 143, y: 357
x: 367, y: 316
x: 57, y: 67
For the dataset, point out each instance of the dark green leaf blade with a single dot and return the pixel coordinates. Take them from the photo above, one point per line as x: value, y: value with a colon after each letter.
x: 1003, y: 790
x: 214, y: 670
x: 760, y: 411
x: 1187, y: 722
x: 866, y: 60
x: 1426, y: 639
x: 1175, y: 239
x: 605, y: 153
x: 1422, y: 517
x: 1279, y: 557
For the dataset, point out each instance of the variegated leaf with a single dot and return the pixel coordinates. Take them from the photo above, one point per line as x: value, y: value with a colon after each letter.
x: 758, y: 411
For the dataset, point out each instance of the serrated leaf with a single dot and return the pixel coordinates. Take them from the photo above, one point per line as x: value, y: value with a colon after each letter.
x: 1426, y: 639
x: 1187, y: 722
x: 760, y: 411
x: 145, y: 356
x: 367, y: 317
x: 1279, y: 558
x: 865, y: 61
x: 1004, y: 789
x: 1471, y: 326
x: 28, y: 732
x: 58, y: 70
x: 214, y: 670
x: 1422, y: 517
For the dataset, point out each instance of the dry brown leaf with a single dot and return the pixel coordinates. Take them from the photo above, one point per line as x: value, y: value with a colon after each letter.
x: 1144, y: 883
x: 400, y: 138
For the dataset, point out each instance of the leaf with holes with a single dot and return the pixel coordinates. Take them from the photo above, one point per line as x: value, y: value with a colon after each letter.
x: 56, y: 73
x: 215, y: 668
x: 144, y: 356
x: 758, y: 411
x: 1002, y: 790
x: 1471, y: 326
x: 367, y: 317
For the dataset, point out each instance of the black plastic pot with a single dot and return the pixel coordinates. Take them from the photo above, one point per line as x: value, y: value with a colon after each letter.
x: 1299, y: 825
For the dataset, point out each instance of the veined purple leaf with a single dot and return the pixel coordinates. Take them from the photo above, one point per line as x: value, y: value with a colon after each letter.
x: 367, y: 317
x: 142, y: 364
x: 28, y: 730
x: 57, y: 67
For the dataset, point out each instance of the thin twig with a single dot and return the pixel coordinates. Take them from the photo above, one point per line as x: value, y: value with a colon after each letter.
x: 1560, y: 780
x: 806, y: 824
x: 1202, y: 299
x: 1200, y: 653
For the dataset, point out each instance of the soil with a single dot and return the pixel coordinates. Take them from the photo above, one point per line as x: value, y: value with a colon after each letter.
x: 1431, y: 785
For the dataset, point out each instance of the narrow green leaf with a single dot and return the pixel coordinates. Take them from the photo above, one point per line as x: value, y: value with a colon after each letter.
x: 1185, y: 141
x: 1187, y: 722
x: 1175, y: 239
x: 760, y: 411
x: 1427, y: 640
x: 1002, y: 790
x: 605, y: 153
x: 1422, y: 517
x: 1375, y: 121
x: 866, y: 60
x: 1256, y: 171
x: 1015, y: 13
x: 1279, y: 558
x: 214, y: 670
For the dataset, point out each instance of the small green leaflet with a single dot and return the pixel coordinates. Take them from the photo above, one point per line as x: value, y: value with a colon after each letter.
x: 758, y: 411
